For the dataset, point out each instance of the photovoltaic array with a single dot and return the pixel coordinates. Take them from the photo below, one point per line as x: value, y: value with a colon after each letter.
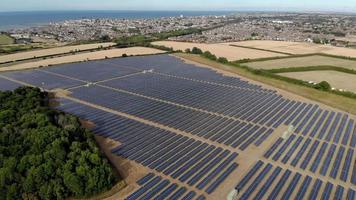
x: 192, y: 127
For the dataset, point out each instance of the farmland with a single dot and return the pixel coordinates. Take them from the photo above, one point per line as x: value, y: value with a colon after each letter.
x: 305, y: 61
x: 5, y: 40
x: 221, y: 50
x: 183, y: 130
x: 51, y: 51
x: 336, y: 79
x: 83, y: 57
x: 297, y: 47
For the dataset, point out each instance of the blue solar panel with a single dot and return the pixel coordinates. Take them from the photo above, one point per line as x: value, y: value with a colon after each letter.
x: 42, y: 79
x: 8, y: 85
x: 291, y: 186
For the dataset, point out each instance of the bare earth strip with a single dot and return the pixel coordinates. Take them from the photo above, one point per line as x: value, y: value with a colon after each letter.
x: 297, y: 47
x: 52, y: 51
x: 337, y: 80
x: 221, y: 50
x: 303, y: 62
x: 84, y: 57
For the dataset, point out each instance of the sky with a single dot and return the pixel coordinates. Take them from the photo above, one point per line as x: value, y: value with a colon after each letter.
x: 230, y: 5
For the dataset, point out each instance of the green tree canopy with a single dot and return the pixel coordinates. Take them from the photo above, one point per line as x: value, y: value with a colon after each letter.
x: 45, y: 154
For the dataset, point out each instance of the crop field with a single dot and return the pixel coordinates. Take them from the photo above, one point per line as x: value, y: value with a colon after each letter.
x: 5, y: 40
x: 297, y: 47
x: 303, y: 62
x: 338, y: 80
x: 221, y: 50
x: 97, y: 55
x: 51, y: 51
x: 184, y: 131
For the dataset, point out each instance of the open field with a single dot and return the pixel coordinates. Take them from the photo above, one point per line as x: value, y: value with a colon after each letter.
x: 307, y: 61
x: 51, y: 51
x: 337, y: 80
x: 5, y: 40
x: 166, y: 126
x: 297, y: 47
x: 97, y: 55
x: 220, y: 50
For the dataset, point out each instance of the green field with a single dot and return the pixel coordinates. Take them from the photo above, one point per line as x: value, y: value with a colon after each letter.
x: 5, y: 39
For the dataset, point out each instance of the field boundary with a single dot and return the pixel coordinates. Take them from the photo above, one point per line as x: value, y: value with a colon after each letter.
x: 310, y: 68
x: 259, y: 49
x: 292, y: 56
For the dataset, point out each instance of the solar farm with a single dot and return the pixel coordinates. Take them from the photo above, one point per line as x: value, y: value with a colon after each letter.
x: 190, y: 132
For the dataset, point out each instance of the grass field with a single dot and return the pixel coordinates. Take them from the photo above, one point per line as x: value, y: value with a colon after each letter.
x: 220, y: 50
x: 51, y: 51
x: 6, y: 40
x: 97, y: 55
x: 333, y: 100
x: 297, y: 47
x: 337, y: 80
x: 303, y: 62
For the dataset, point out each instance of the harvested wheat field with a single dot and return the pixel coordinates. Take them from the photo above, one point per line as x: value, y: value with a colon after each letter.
x: 51, y: 51
x: 84, y: 57
x: 336, y: 79
x: 303, y: 62
x: 296, y: 47
x: 221, y: 50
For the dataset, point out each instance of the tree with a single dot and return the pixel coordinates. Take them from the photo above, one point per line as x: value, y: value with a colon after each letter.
x: 325, y: 86
x: 46, y: 154
x: 196, y: 50
x: 222, y: 60
x: 209, y: 55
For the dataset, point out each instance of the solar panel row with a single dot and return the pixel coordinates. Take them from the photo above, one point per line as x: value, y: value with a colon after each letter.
x: 42, y: 79
x: 94, y: 70
x: 215, y: 98
x: 324, y: 158
x: 183, y: 158
x: 265, y: 180
x: 157, y: 188
x: 174, y: 66
x: 213, y: 127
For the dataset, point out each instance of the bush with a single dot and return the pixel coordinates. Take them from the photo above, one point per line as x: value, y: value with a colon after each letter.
x: 124, y: 55
x: 324, y: 86
x: 196, y: 50
x: 223, y: 60
x: 187, y: 51
x: 209, y: 55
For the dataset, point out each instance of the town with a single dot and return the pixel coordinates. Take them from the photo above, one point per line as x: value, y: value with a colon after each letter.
x: 334, y: 29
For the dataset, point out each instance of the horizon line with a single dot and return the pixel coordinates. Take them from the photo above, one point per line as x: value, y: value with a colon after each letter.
x: 189, y: 10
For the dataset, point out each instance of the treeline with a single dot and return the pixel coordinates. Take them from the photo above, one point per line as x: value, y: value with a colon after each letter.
x: 46, y: 154
x: 207, y: 54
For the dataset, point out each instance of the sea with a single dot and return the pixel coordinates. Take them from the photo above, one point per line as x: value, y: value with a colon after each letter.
x: 19, y: 20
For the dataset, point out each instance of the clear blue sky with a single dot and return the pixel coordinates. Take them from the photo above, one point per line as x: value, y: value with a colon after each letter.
x: 275, y: 5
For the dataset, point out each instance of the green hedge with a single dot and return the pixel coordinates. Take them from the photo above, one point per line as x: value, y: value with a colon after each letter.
x: 311, y: 68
